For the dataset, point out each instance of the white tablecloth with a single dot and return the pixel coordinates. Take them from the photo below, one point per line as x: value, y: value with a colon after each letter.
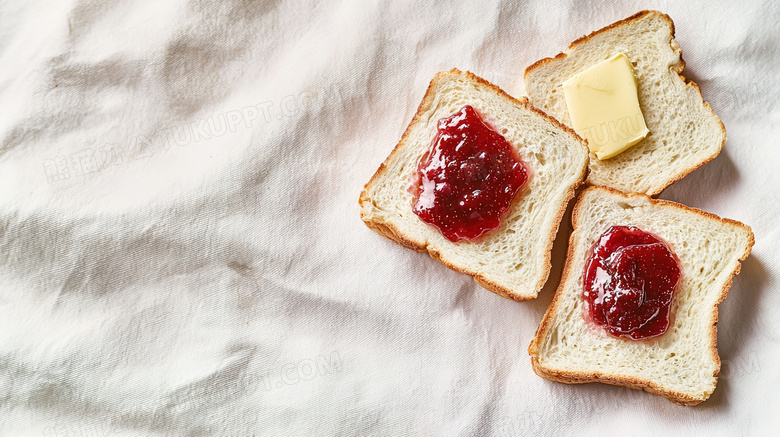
x: 181, y: 252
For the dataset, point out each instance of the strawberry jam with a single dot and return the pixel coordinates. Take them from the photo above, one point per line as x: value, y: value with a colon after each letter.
x: 630, y: 280
x: 469, y: 177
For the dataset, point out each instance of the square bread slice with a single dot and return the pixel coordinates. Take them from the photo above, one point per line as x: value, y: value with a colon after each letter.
x: 684, y: 131
x: 681, y: 364
x: 513, y: 260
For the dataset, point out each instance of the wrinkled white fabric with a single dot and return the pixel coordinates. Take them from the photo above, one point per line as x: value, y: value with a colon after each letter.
x: 181, y: 252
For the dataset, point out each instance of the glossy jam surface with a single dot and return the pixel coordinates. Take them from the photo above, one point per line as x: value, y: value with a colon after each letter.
x: 629, y: 283
x: 468, y: 179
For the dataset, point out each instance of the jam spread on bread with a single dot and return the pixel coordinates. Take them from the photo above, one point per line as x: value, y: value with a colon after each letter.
x: 629, y: 283
x: 469, y: 177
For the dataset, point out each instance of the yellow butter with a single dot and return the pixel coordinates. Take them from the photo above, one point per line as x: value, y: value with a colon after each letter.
x: 604, y: 106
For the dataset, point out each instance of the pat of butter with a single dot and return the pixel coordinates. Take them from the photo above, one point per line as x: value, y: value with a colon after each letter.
x: 604, y: 106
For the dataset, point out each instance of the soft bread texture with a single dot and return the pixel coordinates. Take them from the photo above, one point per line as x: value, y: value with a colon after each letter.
x: 684, y: 131
x: 683, y: 363
x: 513, y: 260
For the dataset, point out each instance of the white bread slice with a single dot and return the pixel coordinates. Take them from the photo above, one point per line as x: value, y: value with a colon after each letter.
x: 684, y: 131
x: 681, y: 364
x: 513, y: 260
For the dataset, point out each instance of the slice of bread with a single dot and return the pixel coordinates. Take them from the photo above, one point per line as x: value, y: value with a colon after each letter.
x: 514, y: 259
x: 684, y: 131
x: 681, y: 364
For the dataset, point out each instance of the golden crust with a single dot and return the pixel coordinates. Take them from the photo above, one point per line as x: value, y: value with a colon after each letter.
x: 388, y: 230
x: 587, y: 37
x: 619, y: 23
x: 635, y: 383
x: 678, y: 69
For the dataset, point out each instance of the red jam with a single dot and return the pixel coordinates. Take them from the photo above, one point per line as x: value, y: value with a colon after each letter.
x: 629, y: 283
x: 469, y: 177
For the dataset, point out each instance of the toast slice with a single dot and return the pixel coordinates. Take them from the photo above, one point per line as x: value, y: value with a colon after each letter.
x: 681, y: 364
x: 513, y: 260
x: 684, y: 131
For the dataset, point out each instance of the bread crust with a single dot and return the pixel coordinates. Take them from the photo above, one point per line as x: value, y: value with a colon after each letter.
x: 390, y: 231
x: 654, y: 191
x: 634, y: 383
